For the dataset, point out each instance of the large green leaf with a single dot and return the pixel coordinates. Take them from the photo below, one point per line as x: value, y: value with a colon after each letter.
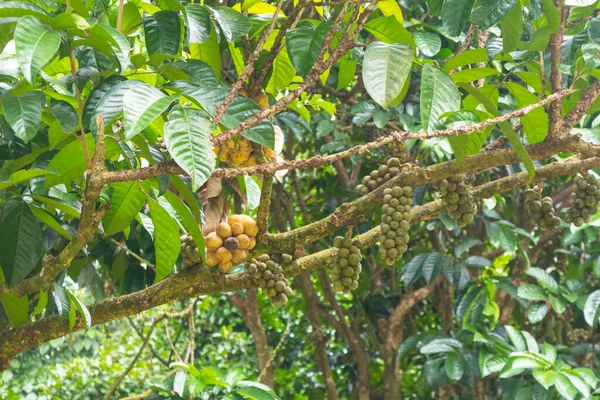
x: 35, y: 46
x: 187, y: 138
x: 488, y: 12
x: 389, y: 30
x: 70, y: 162
x: 537, y: 312
x: 454, y: 366
x: 191, y: 70
x: 544, y: 278
x: 512, y: 28
x: 199, y: 24
x: 111, y: 104
x: 21, y: 243
x: 208, y: 52
x: 142, y: 104
x: 591, y: 309
x: 12, y: 10
x: 532, y: 292
x: 505, y: 126
x: 284, y: 72
x: 386, y: 67
x: 464, y: 145
x: 16, y: 309
x: 110, y: 42
x: 541, y: 37
x: 304, y: 44
x: 565, y: 387
x: 126, y: 201
x: 83, y: 311
x: 65, y: 114
x: 468, y: 57
x: 24, y: 114
x: 535, y: 123
x: 50, y: 221
x: 167, y: 243
x: 455, y: 14
x: 101, y: 94
x: 233, y: 24
x: 163, y: 33
x: 190, y: 224
x: 438, y: 96
x: 428, y: 43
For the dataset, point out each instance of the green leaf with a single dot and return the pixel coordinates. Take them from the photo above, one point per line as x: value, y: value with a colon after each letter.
x: 142, y: 104
x: 558, y: 304
x: 531, y: 292
x: 21, y: 243
x: 429, y: 43
x: 187, y: 136
x: 284, y: 72
x: 304, y: 44
x: 391, y: 8
x: 463, y: 144
x: 83, y: 311
x: 111, y: 103
x: 505, y: 126
x: 473, y: 74
x: 167, y: 243
x: 58, y: 205
x: 42, y: 302
x: 549, y: 351
x: 579, y: 383
x: 208, y: 52
x: 70, y: 162
x: 473, y: 56
x: 199, y: 24
x: 512, y: 28
x: 16, y: 309
x: 438, y: 96
x: 65, y: 114
x: 544, y: 278
x: 594, y: 30
x: 455, y: 14
x: 12, y: 10
x: 564, y: 387
x: 131, y: 18
x: 389, y: 30
x: 444, y: 345
x: 62, y: 303
x: 591, y: 309
x: 454, y: 366
x: 591, y: 55
x: 187, y: 195
x: 163, y: 33
x: 50, y: 221
x: 126, y: 201
x: 487, y: 13
x: 233, y: 24
x: 385, y: 69
x: 541, y: 37
x: 190, y: 224
x: 24, y: 114
x: 516, y: 338
x: 35, y: 46
x: 68, y: 20
x: 537, y: 312
x: 535, y: 123
x: 100, y: 92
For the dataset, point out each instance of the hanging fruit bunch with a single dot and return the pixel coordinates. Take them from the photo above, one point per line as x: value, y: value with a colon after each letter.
x: 379, y: 176
x: 240, y: 154
x: 587, y: 197
x: 541, y: 210
x: 395, y: 223
x: 189, y: 251
x: 267, y: 271
x: 456, y: 195
x: 395, y: 149
x: 228, y: 245
x: 346, y: 265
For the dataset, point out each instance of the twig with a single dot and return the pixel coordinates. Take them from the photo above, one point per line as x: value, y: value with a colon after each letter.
x: 274, y: 354
x: 132, y: 253
x: 120, y: 15
x: 171, y: 343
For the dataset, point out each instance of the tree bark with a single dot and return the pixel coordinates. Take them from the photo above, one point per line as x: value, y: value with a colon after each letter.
x: 248, y: 308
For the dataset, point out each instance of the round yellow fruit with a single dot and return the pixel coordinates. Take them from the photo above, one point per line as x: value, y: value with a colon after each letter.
x: 223, y: 230
x: 223, y: 255
x: 252, y: 243
x: 213, y: 241
x: 211, y: 259
x: 244, y: 241
x: 238, y: 256
x: 237, y: 228
x: 225, y: 267
x: 250, y: 226
x: 233, y: 219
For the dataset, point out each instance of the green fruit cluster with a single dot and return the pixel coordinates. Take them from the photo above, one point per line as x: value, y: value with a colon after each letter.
x: 346, y: 265
x: 189, y: 251
x: 396, y: 149
x: 456, y: 195
x: 268, y: 274
x: 587, y: 199
x: 577, y: 336
x: 395, y: 223
x: 379, y: 176
x: 541, y: 211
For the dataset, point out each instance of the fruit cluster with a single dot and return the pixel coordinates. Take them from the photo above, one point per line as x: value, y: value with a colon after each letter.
x: 395, y: 223
x: 587, y: 199
x: 267, y: 271
x: 577, y: 336
x: 541, y: 211
x: 228, y: 245
x: 189, y: 251
x: 396, y: 149
x: 240, y: 154
x: 379, y: 176
x: 456, y: 195
x: 346, y: 266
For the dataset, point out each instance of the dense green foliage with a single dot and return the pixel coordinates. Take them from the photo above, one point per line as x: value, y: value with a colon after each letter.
x: 385, y: 146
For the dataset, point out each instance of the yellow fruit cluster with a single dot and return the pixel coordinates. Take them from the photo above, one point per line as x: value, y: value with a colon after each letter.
x: 228, y: 245
x: 239, y: 154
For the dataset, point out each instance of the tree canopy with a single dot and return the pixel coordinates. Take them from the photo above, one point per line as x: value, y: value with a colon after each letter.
x: 364, y: 199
